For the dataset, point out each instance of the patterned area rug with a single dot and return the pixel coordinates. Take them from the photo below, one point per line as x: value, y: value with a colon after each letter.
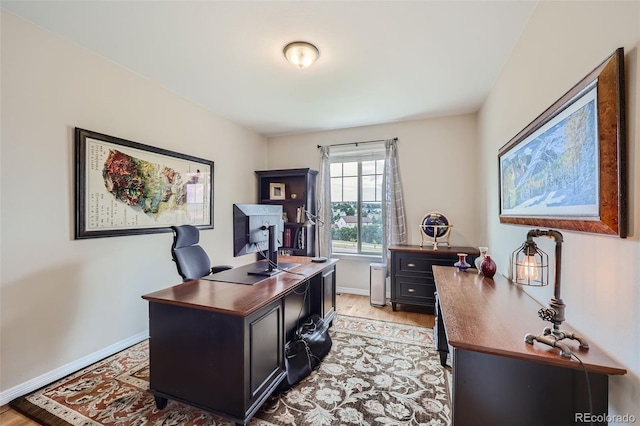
x: 377, y: 373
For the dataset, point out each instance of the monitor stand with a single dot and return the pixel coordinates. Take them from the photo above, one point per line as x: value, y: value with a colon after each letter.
x: 271, y: 267
x: 261, y: 268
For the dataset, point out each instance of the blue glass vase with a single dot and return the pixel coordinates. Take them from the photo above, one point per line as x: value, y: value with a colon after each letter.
x: 462, y: 263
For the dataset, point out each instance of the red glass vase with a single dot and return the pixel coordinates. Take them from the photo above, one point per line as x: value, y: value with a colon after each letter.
x: 488, y: 267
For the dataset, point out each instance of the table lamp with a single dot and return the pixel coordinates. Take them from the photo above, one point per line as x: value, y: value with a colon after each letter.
x: 313, y: 219
x: 530, y: 266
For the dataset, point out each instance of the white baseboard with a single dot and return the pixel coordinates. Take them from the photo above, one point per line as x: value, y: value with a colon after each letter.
x: 351, y: 290
x: 358, y: 291
x: 50, y: 377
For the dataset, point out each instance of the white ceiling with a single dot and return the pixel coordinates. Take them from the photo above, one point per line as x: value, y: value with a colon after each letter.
x: 380, y: 61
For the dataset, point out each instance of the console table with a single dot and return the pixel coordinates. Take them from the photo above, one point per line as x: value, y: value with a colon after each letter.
x: 220, y: 345
x: 498, y: 379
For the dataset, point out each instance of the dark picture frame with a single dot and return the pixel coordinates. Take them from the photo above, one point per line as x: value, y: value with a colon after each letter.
x: 129, y: 188
x: 567, y: 168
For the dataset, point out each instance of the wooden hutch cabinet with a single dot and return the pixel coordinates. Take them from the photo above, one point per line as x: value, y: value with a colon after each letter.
x: 296, y: 193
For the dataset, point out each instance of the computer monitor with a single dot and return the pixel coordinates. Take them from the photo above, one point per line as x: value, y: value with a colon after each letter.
x: 258, y: 228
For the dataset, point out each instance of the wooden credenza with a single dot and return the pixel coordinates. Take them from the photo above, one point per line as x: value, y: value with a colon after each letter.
x: 499, y: 379
x: 220, y: 345
x: 411, y: 274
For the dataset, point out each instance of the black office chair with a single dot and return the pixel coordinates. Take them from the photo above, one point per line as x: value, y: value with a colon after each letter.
x: 191, y: 259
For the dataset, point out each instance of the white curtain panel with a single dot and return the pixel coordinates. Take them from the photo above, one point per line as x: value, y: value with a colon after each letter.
x: 394, y: 225
x: 324, y: 203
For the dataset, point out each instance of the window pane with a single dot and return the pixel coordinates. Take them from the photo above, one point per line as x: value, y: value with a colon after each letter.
x: 371, y: 233
x: 344, y: 229
x: 335, y: 169
x: 368, y: 167
x: 380, y: 167
x: 368, y: 188
x: 350, y: 189
x: 350, y: 169
x: 379, y: 188
x: 336, y: 189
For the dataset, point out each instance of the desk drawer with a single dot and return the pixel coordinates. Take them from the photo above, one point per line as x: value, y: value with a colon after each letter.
x: 416, y: 291
x: 420, y: 265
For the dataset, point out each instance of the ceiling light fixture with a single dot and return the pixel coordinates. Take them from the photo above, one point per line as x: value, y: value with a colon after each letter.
x: 301, y: 54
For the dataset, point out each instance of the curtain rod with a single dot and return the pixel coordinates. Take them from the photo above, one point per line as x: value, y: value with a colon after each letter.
x: 356, y: 143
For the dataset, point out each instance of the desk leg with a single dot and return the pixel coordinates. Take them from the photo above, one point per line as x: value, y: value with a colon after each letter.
x: 443, y: 358
x: 161, y: 403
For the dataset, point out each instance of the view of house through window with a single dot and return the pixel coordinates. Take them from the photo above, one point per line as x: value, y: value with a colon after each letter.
x: 356, y: 206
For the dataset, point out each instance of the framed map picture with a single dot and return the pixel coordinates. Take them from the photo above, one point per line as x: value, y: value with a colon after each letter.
x: 125, y: 188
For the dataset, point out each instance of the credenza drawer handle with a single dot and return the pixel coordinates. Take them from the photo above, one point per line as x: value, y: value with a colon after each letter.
x: 411, y: 290
x: 411, y: 265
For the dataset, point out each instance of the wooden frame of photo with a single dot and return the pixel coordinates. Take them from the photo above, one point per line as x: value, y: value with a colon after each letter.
x: 127, y: 188
x: 567, y: 168
x: 276, y: 191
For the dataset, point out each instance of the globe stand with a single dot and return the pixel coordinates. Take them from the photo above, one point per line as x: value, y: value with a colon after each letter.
x: 436, y: 231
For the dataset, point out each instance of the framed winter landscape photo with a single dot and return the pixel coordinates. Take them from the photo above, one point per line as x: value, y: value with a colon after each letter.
x: 567, y: 168
x: 125, y: 188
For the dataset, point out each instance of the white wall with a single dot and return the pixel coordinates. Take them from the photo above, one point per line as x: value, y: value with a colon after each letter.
x: 62, y: 300
x: 562, y: 43
x: 439, y: 164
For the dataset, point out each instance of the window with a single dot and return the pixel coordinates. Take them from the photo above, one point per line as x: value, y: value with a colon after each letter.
x: 356, y: 200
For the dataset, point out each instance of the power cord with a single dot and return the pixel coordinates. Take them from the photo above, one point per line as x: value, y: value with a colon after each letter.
x: 304, y: 302
x: 586, y: 375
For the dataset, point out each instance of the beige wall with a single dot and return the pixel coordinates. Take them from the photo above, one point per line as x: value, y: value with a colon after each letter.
x: 562, y: 43
x: 63, y: 299
x: 439, y: 163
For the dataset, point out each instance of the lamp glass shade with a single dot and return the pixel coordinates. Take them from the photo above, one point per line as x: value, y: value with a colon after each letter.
x: 301, y: 54
x: 528, y: 268
x: 530, y: 265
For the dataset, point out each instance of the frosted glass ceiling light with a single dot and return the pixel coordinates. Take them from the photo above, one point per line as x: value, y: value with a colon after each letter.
x: 301, y: 54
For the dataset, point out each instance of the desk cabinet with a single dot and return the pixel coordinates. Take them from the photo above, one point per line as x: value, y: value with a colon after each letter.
x: 412, y: 276
x: 220, y: 346
x: 499, y: 379
x: 231, y: 376
x: 324, y: 288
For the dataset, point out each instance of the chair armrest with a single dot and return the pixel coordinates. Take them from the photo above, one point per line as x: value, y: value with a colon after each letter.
x: 220, y: 268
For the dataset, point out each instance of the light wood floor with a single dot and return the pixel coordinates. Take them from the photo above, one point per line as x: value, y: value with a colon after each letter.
x: 347, y: 304
x: 359, y: 306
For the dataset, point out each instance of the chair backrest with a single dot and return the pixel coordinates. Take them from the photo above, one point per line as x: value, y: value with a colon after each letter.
x: 191, y: 259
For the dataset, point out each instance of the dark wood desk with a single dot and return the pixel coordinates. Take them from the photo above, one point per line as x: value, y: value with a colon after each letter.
x: 220, y: 346
x: 498, y: 379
